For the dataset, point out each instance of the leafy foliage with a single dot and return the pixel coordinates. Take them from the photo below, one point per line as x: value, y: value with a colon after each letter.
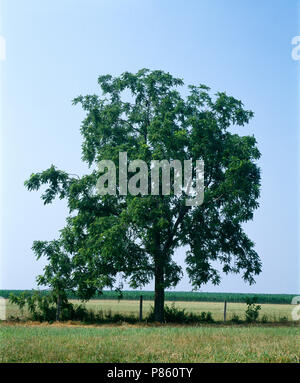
x: 173, y: 314
x: 252, y: 311
x: 264, y: 319
x: 134, y: 237
x: 236, y: 319
x: 43, y: 308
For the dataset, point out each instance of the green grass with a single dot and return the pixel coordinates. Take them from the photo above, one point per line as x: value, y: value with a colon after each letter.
x: 51, y: 343
x: 184, y: 296
x: 273, y: 311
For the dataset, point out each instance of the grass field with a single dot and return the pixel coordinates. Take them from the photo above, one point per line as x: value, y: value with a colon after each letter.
x: 274, y: 312
x: 67, y: 343
x: 74, y: 342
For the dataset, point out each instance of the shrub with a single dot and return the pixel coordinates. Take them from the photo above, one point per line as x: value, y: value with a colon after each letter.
x: 44, y: 308
x: 252, y: 311
x: 206, y: 317
x: 283, y: 319
x: 236, y: 319
x: 41, y: 308
x: 176, y: 315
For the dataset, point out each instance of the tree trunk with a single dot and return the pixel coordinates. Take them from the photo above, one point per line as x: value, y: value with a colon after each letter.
x: 159, y: 299
x: 58, y: 308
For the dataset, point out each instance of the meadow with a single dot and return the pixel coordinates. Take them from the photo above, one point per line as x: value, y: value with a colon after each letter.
x: 142, y: 343
x: 273, y: 312
x: 27, y: 341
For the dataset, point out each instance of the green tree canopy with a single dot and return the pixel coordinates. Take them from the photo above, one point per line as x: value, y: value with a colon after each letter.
x: 106, y: 236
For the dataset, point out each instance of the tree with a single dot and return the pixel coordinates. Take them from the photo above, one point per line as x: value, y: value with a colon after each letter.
x: 58, y: 271
x: 135, y: 236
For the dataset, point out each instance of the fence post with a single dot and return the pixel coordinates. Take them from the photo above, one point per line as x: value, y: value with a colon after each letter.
x: 141, y: 308
x: 225, y: 308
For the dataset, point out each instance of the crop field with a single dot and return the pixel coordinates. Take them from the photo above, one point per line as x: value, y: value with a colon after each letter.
x: 181, y: 296
x: 140, y: 343
x: 273, y: 312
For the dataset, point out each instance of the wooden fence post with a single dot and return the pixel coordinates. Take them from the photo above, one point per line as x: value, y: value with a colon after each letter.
x: 225, y: 309
x: 141, y: 308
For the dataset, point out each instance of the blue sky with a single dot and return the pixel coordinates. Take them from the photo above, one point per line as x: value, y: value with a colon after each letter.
x: 56, y: 49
